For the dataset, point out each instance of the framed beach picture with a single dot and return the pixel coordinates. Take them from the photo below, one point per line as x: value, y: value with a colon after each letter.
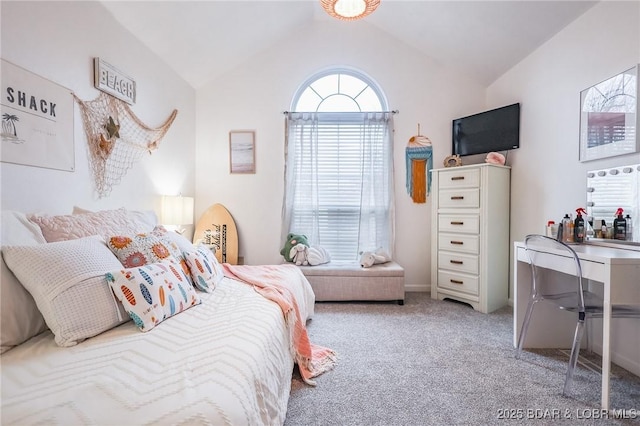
x: 37, y: 120
x: 609, y: 117
x: 242, y: 151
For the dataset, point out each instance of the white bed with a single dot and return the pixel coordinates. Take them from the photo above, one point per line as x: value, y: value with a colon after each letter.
x: 226, y: 361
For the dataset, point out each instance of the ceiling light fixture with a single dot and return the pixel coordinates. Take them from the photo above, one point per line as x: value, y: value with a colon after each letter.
x: 349, y: 10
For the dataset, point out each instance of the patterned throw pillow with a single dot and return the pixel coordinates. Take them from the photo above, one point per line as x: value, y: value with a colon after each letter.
x: 151, y: 247
x: 205, y: 270
x: 153, y: 292
x: 177, y: 245
x: 171, y: 237
x: 141, y: 249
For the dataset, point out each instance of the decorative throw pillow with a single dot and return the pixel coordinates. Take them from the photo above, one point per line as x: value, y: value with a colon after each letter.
x: 205, y: 270
x: 67, y: 282
x: 176, y: 243
x: 147, y: 219
x: 104, y: 223
x: 178, y: 240
x: 20, y: 318
x: 141, y: 249
x: 153, y: 292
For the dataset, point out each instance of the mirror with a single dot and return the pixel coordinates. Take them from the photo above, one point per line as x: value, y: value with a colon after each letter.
x: 610, y: 189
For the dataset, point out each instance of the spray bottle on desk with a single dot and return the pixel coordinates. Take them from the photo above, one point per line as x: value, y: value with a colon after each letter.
x: 629, y: 228
x: 578, y: 226
x: 619, y: 226
x: 567, y: 234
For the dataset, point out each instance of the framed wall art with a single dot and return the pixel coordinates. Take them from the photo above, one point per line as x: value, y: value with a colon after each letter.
x: 37, y: 120
x: 609, y: 117
x: 242, y: 151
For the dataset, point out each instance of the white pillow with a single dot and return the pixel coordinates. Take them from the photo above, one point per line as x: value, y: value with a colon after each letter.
x: 205, y: 270
x: 153, y: 292
x: 20, y: 318
x: 72, y: 226
x: 147, y: 218
x: 67, y: 281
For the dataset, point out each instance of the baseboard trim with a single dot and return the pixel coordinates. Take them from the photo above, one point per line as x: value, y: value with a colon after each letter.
x: 417, y: 288
x: 619, y: 359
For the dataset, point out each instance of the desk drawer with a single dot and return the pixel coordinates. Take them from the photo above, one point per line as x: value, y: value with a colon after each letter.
x: 467, y: 224
x: 460, y: 178
x: 459, y: 282
x: 458, y: 262
x: 468, y: 198
x: 459, y: 243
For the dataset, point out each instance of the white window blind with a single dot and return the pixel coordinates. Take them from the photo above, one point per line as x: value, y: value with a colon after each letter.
x: 339, y: 175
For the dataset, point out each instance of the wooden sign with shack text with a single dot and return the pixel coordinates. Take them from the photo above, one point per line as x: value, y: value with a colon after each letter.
x: 36, y: 120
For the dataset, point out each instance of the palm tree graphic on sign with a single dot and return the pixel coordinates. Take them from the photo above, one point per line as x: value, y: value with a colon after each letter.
x: 9, y: 124
x: 9, y: 130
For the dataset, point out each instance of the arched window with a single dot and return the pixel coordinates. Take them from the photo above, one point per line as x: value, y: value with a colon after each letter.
x: 339, y: 90
x: 339, y: 182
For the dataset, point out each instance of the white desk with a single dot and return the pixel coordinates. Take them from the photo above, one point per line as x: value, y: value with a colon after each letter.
x: 617, y: 269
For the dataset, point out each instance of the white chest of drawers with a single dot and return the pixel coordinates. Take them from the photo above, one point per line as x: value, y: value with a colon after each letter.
x: 470, y: 235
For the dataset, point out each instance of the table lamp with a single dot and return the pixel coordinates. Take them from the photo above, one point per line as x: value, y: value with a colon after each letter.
x: 177, y: 211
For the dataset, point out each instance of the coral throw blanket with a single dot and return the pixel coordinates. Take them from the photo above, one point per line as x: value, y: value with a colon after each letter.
x: 271, y: 282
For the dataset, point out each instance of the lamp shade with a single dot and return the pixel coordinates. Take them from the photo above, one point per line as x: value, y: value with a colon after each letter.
x: 176, y: 210
x: 349, y: 10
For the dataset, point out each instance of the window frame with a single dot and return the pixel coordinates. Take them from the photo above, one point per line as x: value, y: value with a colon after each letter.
x: 382, y: 216
x: 352, y: 72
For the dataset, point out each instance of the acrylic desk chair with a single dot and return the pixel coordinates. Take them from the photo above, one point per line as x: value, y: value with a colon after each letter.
x: 583, y: 303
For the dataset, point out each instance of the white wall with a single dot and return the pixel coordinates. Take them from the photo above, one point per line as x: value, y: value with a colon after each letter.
x: 254, y: 96
x: 58, y: 41
x: 547, y: 177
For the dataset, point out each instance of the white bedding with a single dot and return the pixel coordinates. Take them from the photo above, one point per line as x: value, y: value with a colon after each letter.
x: 226, y: 361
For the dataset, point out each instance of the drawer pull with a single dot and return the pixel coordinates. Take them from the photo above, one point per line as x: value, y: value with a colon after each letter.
x: 457, y: 197
x: 457, y: 223
x: 457, y: 242
x: 457, y: 178
x: 456, y: 262
x: 457, y: 281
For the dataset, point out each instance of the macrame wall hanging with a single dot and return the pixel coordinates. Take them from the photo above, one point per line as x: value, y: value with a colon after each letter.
x: 117, y: 139
x: 419, y: 159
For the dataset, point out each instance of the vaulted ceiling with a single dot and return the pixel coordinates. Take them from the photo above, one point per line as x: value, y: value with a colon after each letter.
x: 483, y: 39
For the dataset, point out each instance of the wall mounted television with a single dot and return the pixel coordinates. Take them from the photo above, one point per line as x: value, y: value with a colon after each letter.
x: 489, y: 131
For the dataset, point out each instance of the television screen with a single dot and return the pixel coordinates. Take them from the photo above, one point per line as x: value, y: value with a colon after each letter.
x: 489, y: 131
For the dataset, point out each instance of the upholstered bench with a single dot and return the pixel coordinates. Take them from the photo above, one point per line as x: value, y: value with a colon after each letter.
x: 338, y: 282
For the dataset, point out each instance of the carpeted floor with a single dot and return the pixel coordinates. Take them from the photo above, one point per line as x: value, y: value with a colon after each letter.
x: 435, y: 362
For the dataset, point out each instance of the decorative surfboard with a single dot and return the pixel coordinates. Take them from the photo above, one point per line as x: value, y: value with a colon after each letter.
x: 217, y: 228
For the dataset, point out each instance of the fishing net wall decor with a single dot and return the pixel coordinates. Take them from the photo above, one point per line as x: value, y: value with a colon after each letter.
x: 117, y: 139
